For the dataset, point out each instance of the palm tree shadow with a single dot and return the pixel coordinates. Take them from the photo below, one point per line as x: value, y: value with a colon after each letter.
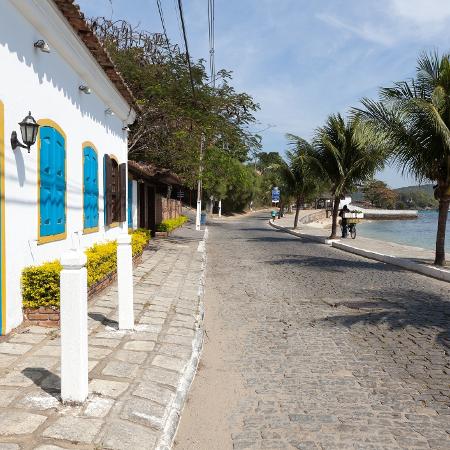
x: 327, y: 264
x: 400, y: 309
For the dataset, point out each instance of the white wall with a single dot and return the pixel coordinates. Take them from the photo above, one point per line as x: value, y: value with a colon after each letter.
x: 47, y: 85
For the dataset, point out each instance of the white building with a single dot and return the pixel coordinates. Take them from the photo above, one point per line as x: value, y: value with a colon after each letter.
x: 55, y: 196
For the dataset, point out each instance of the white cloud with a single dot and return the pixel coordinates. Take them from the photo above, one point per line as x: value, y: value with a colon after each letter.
x: 421, y: 12
x: 365, y: 31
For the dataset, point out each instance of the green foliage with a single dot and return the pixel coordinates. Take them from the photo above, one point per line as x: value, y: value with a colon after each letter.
x: 348, y: 152
x: 416, y: 197
x: 40, y: 284
x: 413, y: 117
x: 379, y: 195
x: 169, y: 225
x: 172, y: 120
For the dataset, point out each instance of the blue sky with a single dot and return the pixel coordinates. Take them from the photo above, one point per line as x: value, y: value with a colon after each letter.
x: 302, y: 59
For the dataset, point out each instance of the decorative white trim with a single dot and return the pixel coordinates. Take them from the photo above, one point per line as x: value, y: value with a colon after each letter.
x: 54, y: 28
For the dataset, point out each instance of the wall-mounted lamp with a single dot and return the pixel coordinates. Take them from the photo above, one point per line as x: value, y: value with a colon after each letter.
x: 28, y: 129
x: 140, y: 181
x: 85, y: 89
x: 42, y: 46
x: 109, y: 112
x: 125, y: 128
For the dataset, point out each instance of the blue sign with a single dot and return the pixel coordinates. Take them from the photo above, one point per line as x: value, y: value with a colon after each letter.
x: 275, y: 195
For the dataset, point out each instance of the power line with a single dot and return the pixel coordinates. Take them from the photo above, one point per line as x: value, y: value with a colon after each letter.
x: 188, y: 58
x: 163, y: 23
x: 178, y: 18
x: 211, y: 36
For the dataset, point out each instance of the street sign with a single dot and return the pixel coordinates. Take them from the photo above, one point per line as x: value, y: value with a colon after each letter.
x: 275, y: 195
x: 180, y: 194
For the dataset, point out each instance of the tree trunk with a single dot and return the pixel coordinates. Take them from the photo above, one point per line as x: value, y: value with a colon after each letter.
x: 337, y: 200
x: 439, y: 259
x: 297, y: 210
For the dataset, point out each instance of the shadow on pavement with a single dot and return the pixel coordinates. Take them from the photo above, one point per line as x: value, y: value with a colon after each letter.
x: 398, y: 310
x: 48, y: 381
x: 334, y: 264
x: 103, y: 320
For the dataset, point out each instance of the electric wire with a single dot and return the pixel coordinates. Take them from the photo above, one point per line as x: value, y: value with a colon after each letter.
x: 163, y: 23
x: 188, y: 58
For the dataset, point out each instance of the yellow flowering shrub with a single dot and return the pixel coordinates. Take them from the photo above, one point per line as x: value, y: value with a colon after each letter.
x: 170, y: 224
x: 40, y: 284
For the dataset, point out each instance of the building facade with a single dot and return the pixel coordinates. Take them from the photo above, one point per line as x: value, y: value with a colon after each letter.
x: 70, y: 190
x: 151, y: 195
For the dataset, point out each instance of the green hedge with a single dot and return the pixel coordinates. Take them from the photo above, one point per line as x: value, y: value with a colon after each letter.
x: 40, y: 284
x: 170, y: 224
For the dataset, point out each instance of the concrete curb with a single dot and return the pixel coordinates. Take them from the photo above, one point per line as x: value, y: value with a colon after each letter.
x: 423, y: 269
x: 311, y: 237
x: 174, y: 414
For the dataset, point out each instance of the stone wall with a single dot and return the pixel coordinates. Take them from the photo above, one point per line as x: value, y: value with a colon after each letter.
x: 167, y: 208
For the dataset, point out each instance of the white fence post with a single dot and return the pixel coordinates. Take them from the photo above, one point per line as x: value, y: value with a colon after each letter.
x: 125, y: 281
x: 220, y: 208
x: 74, y: 336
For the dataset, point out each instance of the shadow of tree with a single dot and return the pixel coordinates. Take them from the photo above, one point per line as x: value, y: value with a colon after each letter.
x: 400, y: 309
x: 334, y: 264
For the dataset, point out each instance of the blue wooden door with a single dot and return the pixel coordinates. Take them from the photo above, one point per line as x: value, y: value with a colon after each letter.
x: 90, y: 182
x: 52, y: 190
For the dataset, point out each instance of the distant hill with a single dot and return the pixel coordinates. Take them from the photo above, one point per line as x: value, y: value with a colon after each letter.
x: 427, y: 188
x: 416, y: 197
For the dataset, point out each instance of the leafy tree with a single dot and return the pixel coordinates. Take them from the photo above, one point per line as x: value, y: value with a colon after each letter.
x: 414, y: 118
x: 173, y: 115
x: 378, y: 194
x: 348, y: 153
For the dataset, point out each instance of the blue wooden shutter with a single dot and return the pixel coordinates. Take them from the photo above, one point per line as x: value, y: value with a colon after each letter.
x: 59, y: 191
x: 46, y: 174
x: 130, y: 203
x: 52, y: 190
x: 90, y: 195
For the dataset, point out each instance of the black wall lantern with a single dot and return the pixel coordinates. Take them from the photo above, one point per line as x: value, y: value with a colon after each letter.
x: 28, y: 130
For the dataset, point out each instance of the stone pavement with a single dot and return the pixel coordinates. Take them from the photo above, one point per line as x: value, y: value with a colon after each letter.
x: 408, y: 257
x: 137, y: 380
x: 322, y: 349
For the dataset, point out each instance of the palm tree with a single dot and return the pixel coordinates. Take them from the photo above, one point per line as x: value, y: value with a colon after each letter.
x: 349, y: 153
x: 414, y: 118
x: 302, y: 172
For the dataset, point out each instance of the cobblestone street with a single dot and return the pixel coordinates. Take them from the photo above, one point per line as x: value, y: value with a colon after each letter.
x: 309, y: 347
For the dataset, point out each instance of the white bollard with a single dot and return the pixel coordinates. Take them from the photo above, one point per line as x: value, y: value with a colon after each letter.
x: 74, y: 335
x: 220, y: 208
x: 125, y: 282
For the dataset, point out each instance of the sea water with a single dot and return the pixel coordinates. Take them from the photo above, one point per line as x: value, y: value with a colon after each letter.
x: 420, y: 232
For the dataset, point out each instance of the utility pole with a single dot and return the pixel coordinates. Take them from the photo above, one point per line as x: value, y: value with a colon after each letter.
x: 199, y: 185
